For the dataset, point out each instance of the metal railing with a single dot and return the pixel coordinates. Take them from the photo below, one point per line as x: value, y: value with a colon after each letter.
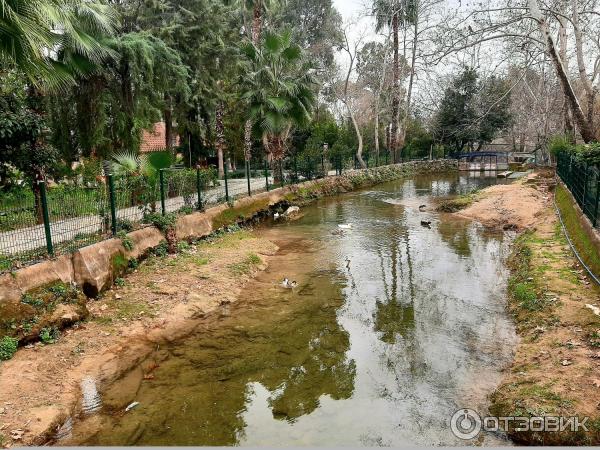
x: 46, y: 221
x: 583, y: 180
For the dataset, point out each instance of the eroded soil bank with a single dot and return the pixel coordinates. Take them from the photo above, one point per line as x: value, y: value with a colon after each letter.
x: 557, y: 363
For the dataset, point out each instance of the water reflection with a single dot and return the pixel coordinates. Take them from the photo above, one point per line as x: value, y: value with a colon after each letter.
x: 393, y: 328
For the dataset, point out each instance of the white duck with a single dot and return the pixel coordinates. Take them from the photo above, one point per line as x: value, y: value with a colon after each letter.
x: 287, y: 284
x: 345, y: 226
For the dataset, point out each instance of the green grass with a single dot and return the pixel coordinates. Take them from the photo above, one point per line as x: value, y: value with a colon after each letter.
x: 578, y: 235
x: 461, y: 202
x: 244, y: 267
x: 526, y: 299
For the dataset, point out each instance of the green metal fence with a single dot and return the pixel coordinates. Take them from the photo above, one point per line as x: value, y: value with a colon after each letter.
x: 43, y: 221
x: 583, y: 180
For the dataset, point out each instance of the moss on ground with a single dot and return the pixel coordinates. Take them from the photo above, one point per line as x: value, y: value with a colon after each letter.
x: 461, y: 202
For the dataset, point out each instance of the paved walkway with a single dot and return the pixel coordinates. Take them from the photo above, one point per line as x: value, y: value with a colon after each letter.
x: 63, y: 231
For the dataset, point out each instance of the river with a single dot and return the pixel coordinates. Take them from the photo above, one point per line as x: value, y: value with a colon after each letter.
x: 393, y: 326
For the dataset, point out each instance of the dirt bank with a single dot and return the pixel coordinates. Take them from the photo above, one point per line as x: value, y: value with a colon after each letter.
x: 556, y: 367
x: 160, y: 301
x: 517, y: 206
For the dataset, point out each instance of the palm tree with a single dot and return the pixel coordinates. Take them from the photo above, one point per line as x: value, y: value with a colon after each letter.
x: 54, y: 41
x: 277, y: 87
x: 394, y: 14
x: 258, y: 8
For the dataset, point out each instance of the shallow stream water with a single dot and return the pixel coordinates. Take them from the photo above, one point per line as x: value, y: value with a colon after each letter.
x: 392, y: 328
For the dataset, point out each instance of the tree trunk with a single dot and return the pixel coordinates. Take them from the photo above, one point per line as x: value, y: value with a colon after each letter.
x: 377, y: 131
x: 568, y: 121
x: 583, y: 76
x: 360, y: 140
x: 411, y: 79
x: 256, y: 32
x: 396, y: 92
x: 127, y: 97
x: 169, y: 137
x: 220, y: 137
x: 585, y: 129
x: 377, y: 104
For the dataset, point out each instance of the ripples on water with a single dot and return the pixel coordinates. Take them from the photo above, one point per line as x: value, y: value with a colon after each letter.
x: 392, y: 328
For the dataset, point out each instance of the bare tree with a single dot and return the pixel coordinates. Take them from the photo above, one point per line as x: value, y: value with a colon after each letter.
x: 351, y: 49
x: 529, y: 26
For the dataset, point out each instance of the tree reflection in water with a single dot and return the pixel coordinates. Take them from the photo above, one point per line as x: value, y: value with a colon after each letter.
x: 294, y: 347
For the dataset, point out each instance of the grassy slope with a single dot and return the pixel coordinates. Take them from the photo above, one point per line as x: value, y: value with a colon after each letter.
x: 554, y: 371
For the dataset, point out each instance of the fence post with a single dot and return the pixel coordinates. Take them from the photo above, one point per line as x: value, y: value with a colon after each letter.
x: 113, y: 204
x: 46, y: 217
x: 282, y: 182
x: 595, y: 221
x: 161, y: 180
x: 267, y: 174
x: 226, y: 183
x: 199, y: 188
x: 248, y: 178
x: 585, y: 183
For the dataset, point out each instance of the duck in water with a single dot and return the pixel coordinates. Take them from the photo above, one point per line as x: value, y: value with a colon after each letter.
x: 287, y: 284
x: 426, y: 223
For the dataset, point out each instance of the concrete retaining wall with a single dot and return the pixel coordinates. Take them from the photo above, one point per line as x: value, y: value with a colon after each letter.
x: 94, y: 268
x: 584, y: 221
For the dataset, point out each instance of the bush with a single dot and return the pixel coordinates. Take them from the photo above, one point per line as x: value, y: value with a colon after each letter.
x: 560, y: 144
x: 8, y: 347
x: 588, y: 153
x: 49, y: 335
x: 127, y: 242
x: 163, y: 223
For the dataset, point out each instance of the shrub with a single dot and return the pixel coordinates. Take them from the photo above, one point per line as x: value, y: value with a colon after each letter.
x: 559, y: 144
x: 8, y: 347
x: 589, y: 153
x: 163, y: 223
x: 49, y: 335
x: 161, y: 249
x: 125, y: 240
x: 124, y: 225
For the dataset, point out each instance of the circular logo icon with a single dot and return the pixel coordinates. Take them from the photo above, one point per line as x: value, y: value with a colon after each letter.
x: 465, y: 424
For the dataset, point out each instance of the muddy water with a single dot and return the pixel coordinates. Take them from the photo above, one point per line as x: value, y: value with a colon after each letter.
x: 392, y: 328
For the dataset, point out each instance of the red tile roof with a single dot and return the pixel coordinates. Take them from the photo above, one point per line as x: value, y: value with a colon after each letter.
x: 155, y: 139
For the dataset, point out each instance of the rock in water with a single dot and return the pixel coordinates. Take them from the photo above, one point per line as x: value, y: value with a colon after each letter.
x: 291, y: 211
